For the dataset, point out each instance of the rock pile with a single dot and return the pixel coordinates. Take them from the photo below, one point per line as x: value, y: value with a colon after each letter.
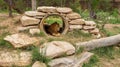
x: 74, y: 19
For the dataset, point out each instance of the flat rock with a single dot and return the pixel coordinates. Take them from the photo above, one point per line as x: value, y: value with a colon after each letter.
x: 57, y: 48
x: 73, y: 16
x: 64, y: 10
x: 89, y: 27
x: 46, y: 9
x: 25, y: 20
x: 94, y: 31
x: 34, y: 31
x: 20, y: 40
x: 90, y: 23
x: 71, y: 61
x: 8, y: 59
x: 39, y: 64
x: 77, y: 21
x: 34, y: 13
x: 75, y: 26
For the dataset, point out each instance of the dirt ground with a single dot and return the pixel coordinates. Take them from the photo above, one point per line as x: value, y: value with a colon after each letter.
x: 10, y: 25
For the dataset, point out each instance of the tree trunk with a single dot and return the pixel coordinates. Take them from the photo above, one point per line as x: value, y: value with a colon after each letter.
x: 9, y: 2
x: 108, y: 41
x: 12, y: 5
x: 91, y: 10
x: 33, y: 5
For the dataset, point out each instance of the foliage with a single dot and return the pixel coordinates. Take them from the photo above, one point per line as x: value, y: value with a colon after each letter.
x: 53, y: 19
x: 76, y: 6
x: 3, y: 5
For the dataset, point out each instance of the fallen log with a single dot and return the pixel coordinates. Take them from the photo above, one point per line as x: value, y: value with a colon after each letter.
x: 107, y: 41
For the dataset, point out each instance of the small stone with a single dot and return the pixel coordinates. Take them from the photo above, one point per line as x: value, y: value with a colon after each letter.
x: 73, y: 16
x: 75, y: 26
x: 78, y: 21
x: 89, y: 27
x: 34, y: 31
x: 94, y: 31
x: 57, y: 48
x: 90, y: 23
x: 20, y: 40
x: 29, y: 21
x: 34, y: 13
x: 98, y: 36
x: 64, y: 10
x: 39, y: 64
x: 46, y: 9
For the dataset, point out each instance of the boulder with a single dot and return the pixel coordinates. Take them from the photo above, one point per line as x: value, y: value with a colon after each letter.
x: 46, y: 9
x: 71, y: 61
x: 57, y: 48
x: 34, y: 13
x: 18, y: 59
x: 94, y: 31
x: 77, y: 21
x: 90, y: 23
x: 73, y: 16
x: 20, y: 40
x: 39, y: 64
x: 25, y: 20
x: 75, y: 26
x: 89, y: 27
x: 34, y: 31
x: 64, y: 10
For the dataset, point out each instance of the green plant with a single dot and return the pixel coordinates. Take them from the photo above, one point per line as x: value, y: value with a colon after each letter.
x: 92, y: 62
x: 37, y: 56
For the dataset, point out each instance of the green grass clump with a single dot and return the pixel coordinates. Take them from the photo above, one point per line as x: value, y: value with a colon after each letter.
x: 37, y: 56
x: 42, y: 34
x: 78, y: 33
x: 4, y: 43
x: 92, y: 62
x: 107, y: 52
x: 79, y: 50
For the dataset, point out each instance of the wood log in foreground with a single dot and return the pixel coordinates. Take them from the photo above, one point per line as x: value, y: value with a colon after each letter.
x: 108, y: 41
